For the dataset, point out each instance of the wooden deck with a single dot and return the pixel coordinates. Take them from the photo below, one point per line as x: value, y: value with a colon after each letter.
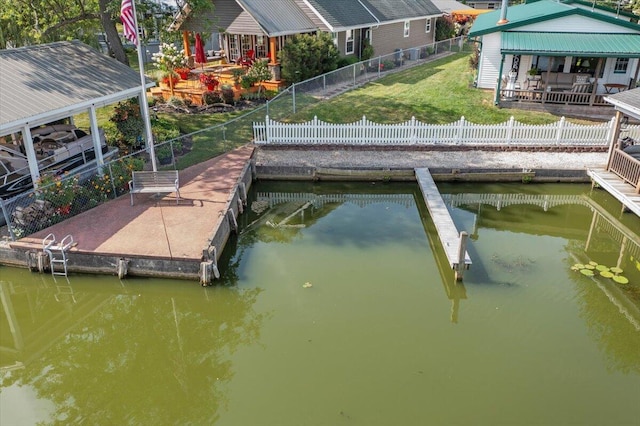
x: 614, y: 185
x: 192, y: 89
x: 447, y: 231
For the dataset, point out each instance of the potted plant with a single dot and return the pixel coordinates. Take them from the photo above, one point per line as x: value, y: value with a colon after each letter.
x: 209, y: 80
x: 237, y: 74
x: 183, y: 72
x: 168, y: 59
x: 533, y: 71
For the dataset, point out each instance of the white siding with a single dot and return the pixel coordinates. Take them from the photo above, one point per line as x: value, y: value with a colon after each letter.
x: 490, y: 59
x: 575, y: 24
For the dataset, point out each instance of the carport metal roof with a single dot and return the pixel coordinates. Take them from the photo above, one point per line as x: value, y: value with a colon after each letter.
x: 628, y: 102
x: 44, y: 83
x: 615, y: 45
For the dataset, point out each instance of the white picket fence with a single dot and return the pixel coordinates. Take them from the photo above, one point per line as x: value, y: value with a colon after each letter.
x: 414, y: 132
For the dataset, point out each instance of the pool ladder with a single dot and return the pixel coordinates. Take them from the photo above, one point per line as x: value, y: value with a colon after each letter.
x: 57, y: 252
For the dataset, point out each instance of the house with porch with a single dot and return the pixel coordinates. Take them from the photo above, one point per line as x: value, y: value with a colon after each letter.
x: 260, y: 28
x: 555, y: 52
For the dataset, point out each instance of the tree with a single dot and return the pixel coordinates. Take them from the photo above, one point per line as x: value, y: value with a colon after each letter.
x: 307, y: 56
x: 445, y: 28
x: 28, y: 22
x: 259, y: 73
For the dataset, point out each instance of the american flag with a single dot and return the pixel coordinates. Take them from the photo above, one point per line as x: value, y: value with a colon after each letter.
x: 128, y: 21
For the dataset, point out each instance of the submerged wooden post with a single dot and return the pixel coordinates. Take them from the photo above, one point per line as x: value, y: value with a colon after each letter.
x: 462, y: 251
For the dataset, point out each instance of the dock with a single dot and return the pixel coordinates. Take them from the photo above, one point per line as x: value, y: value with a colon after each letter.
x: 157, y: 236
x: 449, y: 236
x: 615, y: 186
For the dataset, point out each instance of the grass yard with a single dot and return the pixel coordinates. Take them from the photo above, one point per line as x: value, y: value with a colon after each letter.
x: 437, y: 92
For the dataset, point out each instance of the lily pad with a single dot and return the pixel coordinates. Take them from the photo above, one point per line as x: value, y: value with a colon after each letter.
x: 593, y: 263
x: 307, y: 285
x: 587, y: 272
x: 579, y: 266
x: 575, y: 268
x: 606, y: 274
x: 602, y: 268
x: 620, y: 279
x: 616, y: 270
x: 589, y: 266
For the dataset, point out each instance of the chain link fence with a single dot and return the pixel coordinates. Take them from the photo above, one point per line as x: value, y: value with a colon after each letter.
x: 60, y: 196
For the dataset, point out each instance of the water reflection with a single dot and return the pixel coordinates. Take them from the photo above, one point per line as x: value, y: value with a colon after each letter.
x: 101, y: 354
x: 383, y: 316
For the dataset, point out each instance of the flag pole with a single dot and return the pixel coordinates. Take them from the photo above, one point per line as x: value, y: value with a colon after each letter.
x: 143, y: 101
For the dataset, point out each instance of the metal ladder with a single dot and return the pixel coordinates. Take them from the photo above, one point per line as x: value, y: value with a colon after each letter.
x: 57, y: 252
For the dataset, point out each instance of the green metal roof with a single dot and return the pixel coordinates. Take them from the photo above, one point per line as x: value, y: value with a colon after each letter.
x: 539, y: 11
x: 578, y: 44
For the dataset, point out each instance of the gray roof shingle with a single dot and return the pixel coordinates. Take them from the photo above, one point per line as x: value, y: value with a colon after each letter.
x: 393, y: 10
x: 278, y: 17
x: 343, y: 14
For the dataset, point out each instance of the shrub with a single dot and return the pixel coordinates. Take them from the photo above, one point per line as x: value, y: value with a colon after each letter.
x: 227, y: 95
x: 259, y: 72
x: 346, y: 61
x: 212, y: 97
x: 445, y: 28
x: 307, y: 55
x: 128, y: 120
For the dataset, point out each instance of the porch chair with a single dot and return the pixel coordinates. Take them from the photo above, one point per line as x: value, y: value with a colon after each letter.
x: 248, y: 59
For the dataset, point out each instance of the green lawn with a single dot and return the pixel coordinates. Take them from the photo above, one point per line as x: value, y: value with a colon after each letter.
x: 437, y: 92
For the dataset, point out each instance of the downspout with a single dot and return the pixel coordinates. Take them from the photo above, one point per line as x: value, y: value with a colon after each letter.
x: 499, y: 87
x: 503, y: 20
x: 503, y: 12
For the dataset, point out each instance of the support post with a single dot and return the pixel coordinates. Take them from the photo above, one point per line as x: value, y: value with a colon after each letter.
x: 462, y: 251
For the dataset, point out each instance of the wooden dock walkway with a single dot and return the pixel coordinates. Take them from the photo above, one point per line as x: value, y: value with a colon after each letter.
x: 447, y: 231
x: 615, y: 186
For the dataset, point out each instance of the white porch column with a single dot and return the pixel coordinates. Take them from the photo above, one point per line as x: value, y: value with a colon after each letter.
x: 31, y: 155
x: 95, y: 136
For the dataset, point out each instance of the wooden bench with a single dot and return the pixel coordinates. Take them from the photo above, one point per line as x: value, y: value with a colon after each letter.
x: 154, y: 182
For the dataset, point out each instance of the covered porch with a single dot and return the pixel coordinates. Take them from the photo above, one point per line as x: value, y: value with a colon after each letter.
x: 566, y: 69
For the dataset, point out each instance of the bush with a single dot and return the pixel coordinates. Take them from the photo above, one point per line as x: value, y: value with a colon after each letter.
x: 346, y: 61
x: 128, y: 120
x: 227, y: 95
x: 212, y: 97
x: 445, y: 28
x: 306, y: 56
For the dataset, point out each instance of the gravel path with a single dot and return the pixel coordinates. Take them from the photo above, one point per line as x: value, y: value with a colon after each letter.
x: 335, y: 158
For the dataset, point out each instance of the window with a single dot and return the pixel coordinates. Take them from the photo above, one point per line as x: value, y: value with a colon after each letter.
x: 427, y: 27
x: 234, y: 51
x: 621, y: 66
x: 348, y: 46
x: 491, y: 5
x: 261, y: 47
x: 407, y: 24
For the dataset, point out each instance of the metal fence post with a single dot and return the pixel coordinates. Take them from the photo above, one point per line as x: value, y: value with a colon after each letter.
x: 6, y: 219
x: 113, y: 185
x: 293, y: 89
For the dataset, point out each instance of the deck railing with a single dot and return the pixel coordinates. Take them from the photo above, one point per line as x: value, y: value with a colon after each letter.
x: 542, y: 97
x: 414, y: 132
x: 627, y: 167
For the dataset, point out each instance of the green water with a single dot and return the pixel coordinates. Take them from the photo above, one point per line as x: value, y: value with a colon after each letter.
x: 341, y: 310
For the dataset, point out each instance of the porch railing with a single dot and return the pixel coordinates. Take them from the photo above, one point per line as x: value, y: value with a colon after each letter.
x: 627, y: 167
x: 540, y: 96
